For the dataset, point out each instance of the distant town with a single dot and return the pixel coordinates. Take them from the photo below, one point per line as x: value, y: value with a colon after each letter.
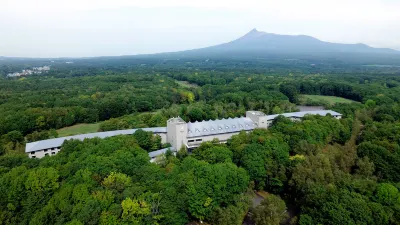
x: 27, y: 72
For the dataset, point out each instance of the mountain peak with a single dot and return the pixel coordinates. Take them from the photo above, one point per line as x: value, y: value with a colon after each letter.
x: 254, y: 30
x: 259, y: 44
x: 254, y: 33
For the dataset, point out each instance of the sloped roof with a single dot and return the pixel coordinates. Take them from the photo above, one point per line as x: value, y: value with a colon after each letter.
x: 57, y: 142
x: 161, y: 151
x: 304, y: 113
x: 212, y: 127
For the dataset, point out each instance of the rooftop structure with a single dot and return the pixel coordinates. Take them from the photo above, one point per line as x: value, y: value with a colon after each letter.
x: 256, y: 113
x: 176, y: 120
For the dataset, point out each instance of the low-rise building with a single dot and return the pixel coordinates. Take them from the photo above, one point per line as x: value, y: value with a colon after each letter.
x: 49, y: 147
x: 178, y: 133
x: 265, y: 121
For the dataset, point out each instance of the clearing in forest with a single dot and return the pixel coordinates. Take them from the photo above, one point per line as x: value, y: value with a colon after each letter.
x: 322, y: 98
x: 186, y: 84
x: 82, y: 128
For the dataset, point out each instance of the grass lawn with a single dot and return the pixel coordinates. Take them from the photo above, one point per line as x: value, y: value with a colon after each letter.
x: 329, y: 99
x: 82, y: 128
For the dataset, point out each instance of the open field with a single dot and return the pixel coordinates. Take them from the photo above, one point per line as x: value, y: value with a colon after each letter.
x: 82, y: 128
x: 321, y: 98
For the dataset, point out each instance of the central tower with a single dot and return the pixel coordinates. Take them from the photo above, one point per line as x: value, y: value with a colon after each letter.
x: 177, y: 132
x: 259, y: 118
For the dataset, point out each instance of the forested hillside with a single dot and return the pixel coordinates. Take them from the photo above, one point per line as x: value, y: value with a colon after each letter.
x: 317, y: 171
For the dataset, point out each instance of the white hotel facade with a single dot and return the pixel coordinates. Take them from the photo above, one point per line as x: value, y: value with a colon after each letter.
x: 179, y: 133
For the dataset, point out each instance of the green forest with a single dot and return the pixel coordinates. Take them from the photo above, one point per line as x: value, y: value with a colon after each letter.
x: 317, y: 171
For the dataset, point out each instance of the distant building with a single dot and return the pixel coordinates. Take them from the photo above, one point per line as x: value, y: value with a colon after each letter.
x: 179, y: 133
x: 34, y: 70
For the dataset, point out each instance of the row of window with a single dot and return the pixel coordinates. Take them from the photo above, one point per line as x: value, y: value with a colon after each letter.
x: 46, y: 150
x: 53, y: 153
x: 50, y: 149
x: 268, y: 122
x: 195, y: 140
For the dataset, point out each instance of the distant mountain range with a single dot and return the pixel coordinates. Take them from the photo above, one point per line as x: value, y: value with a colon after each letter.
x: 262, y: 47
x: 258, y: 44
x: 257, y: 40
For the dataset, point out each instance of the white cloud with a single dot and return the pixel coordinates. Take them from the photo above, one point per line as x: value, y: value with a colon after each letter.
x: 87, y: 27
x: 306, y: 8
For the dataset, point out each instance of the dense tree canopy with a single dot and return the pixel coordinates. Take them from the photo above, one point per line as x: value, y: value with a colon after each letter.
x: 319, y: 170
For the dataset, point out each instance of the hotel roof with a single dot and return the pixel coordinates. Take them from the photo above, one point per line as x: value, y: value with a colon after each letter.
x: 212, y: 127
x: 161, y: 151
x: 57, y: 142
x: 304, y: 113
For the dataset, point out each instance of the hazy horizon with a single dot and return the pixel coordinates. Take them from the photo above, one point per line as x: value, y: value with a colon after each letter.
x: 90, y: 28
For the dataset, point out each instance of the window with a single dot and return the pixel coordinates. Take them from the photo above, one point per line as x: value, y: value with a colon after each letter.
x: 45, y: 150
x: 199, y: 139
x: 46, y: 154
x: 53, y: 153
x: 190, y: 140
x: 32, y: 153
x: 33, y: 157
x: 52, y: 148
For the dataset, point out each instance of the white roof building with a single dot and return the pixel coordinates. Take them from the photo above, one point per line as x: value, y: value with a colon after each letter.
x: 179, y: 133
x: 39, y: 149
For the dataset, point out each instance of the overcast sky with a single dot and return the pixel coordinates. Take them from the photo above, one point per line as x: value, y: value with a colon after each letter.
x: 75, y: 28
